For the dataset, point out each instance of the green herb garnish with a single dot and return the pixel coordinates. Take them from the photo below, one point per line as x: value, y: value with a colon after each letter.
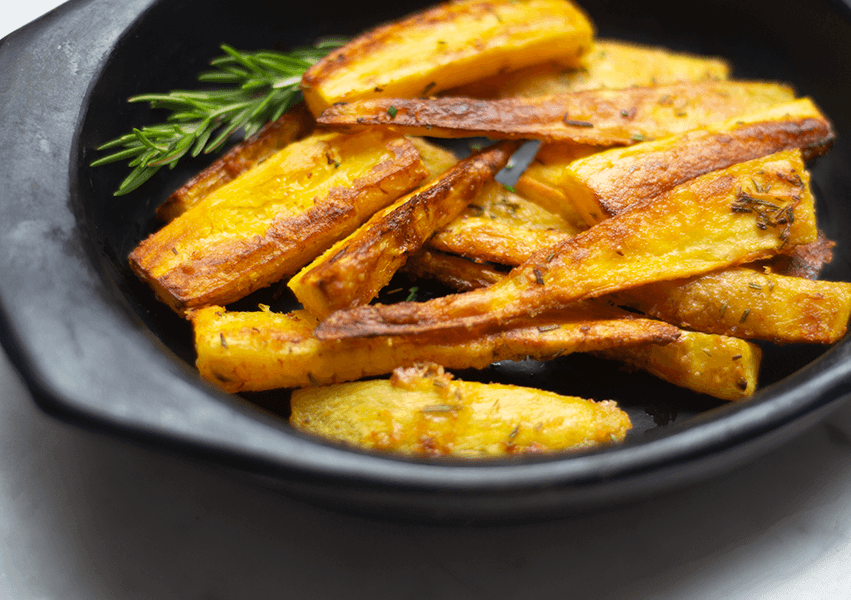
x: 254, y: 88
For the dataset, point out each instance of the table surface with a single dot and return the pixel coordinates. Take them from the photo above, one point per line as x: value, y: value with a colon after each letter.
x: 88, y: 516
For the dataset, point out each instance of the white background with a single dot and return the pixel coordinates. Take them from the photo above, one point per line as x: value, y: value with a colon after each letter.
x: 85, y: 516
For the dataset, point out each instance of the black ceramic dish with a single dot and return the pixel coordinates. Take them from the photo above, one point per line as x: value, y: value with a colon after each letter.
x: 96, y: 349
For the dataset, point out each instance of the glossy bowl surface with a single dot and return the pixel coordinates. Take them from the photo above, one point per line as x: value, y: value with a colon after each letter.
x: 96, y: 348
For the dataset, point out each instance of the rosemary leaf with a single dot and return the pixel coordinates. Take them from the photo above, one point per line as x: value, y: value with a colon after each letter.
x: 252, y: 89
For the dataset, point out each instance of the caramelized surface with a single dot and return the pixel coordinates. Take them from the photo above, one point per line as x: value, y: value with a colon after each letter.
x: 353, y: 270
x: 711, y: 222
x: 448, y: 45
x: 250, y: 351
x: 610, y: 65
x: 425, y: 412
x: 599, y: 117
x: 276, y: 217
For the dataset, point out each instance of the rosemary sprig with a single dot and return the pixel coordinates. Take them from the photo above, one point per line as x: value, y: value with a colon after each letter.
x: 254, y: 88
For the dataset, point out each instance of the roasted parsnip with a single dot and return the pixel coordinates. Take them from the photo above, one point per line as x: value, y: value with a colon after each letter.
x: 717, y: 365
x: 449, y: 45
x: 276, y: 217
x: 424, y: 411
x: 502, y: 227
x: 453, y: 271
x: 352, y: 271
x: 720, y: 219
x: 598, y: 117
x: 293, y: 125
x: 541, y: 182
x: 251, y: 351
x: 610, y: 65
x: 750, y: 304
x: 604, y: 184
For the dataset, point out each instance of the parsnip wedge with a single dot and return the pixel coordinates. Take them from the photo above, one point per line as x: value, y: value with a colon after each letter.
x: 775, y: 306
x: 720, y: 366
x: 423, y: 411
x: 276, y: 217
x: 446, y: 46
x: 502, y: 227
x: 353, y: 270
x: 612, y: 65
x: 721, y: 219
x: 717, y: 365
x: 293, y: 125
x: 453, y: 271
x: 599, y: 118
x: 541, y: 182
x: 604, y: 184
x: 749, y: 304
x: 251, y: 351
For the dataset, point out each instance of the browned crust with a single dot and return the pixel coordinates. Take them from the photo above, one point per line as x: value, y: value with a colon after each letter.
x: 450, y: 20
x: 291, y: 126
x: 619, y: 253
x: 363, y: 263
x: 228, y: 270
x: 806, y: 260
x: 452, y: 271
x: 267, y: 351
x: 597, y: 117
x: 616, y: 183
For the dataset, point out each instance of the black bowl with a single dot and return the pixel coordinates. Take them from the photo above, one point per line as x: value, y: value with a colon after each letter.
x: 95, y: 347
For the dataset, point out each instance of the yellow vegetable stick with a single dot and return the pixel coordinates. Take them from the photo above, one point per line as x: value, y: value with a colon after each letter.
x: 604, y: 184
x: 251, y: 351
x: 423, y: 411
x: 353, y: 270
x: 597, y: 117
x: 276, y: 217
x: 612, y: 65
x: 717, y: 220
x: 446, y: 46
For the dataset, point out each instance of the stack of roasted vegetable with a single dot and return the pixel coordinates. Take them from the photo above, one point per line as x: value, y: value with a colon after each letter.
x: 666, y: 220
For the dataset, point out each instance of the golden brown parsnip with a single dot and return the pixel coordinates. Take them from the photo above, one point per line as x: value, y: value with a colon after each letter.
x: 749, y: 304
x: 541, y: 181
x: 806, y: 260
x: 720, y: 219
x: 502, y: 227
x: 293, y: 125
x: 717, y: 365
x: 251, y: 351
x: 598, y: 117
x: 453, y: 271
x: 448, y: 45
x: 353, y: 270
x: 437, y: 160
x: 276, y: 217
x: 424, y: 411
x: 612, y: 64
x: 604, y: 184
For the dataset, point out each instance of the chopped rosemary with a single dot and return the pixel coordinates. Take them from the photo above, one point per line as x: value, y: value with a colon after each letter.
x: 412, y: 294
x: 253, y: 88
x: 745, y: 315
x: 440, y: 408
